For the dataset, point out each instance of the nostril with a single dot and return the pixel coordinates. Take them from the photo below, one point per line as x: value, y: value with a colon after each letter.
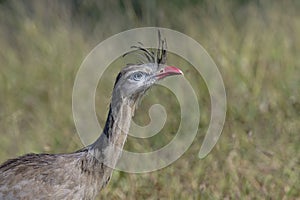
x: 161, y: 71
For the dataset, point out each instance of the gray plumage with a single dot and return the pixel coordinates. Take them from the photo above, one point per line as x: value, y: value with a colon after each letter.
x: 82, y: 174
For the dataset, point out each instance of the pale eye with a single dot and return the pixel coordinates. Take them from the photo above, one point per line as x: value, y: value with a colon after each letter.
x: 138, y: 76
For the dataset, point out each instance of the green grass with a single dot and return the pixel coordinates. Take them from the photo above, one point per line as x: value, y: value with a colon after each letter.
x: 256, y: 46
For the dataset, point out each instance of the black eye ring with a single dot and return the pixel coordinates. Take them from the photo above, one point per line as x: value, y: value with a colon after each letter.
x: 137, y: 76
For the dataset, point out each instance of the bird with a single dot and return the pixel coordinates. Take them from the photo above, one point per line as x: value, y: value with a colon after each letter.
x: 84, y: 173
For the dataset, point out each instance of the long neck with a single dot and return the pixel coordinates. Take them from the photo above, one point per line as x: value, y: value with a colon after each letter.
x: 109, y: 145
x: 118, y: 123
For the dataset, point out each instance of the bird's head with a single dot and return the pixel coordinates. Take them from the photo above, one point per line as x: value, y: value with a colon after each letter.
x: 135, y: 79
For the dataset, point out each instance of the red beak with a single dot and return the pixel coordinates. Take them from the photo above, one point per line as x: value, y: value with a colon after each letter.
x: 168, y: 71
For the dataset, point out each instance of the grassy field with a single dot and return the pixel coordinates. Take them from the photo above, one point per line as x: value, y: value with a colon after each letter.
x: 255, y: 44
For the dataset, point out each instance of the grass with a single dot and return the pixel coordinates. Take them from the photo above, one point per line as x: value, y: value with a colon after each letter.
x: 256, y: 46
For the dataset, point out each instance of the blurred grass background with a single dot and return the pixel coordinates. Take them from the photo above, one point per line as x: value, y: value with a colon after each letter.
x: 255, y: 44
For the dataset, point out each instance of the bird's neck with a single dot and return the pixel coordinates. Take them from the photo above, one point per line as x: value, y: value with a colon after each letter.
x: 118, y: 122
x: 108, y: 147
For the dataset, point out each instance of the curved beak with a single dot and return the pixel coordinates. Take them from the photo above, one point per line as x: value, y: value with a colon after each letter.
x: 168, y: 71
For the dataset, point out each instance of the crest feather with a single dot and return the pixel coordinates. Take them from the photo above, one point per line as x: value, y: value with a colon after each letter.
x: 145, y: 55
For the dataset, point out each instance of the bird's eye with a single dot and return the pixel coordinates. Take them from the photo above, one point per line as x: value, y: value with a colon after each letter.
x: 138, y: 76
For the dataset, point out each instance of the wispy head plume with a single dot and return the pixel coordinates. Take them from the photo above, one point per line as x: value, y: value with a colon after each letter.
x: 144, y: 55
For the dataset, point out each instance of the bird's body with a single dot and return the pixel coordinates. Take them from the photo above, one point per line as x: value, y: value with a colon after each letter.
x: 78, y: 175
x: 39, y: 176
x: 82, y: 174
